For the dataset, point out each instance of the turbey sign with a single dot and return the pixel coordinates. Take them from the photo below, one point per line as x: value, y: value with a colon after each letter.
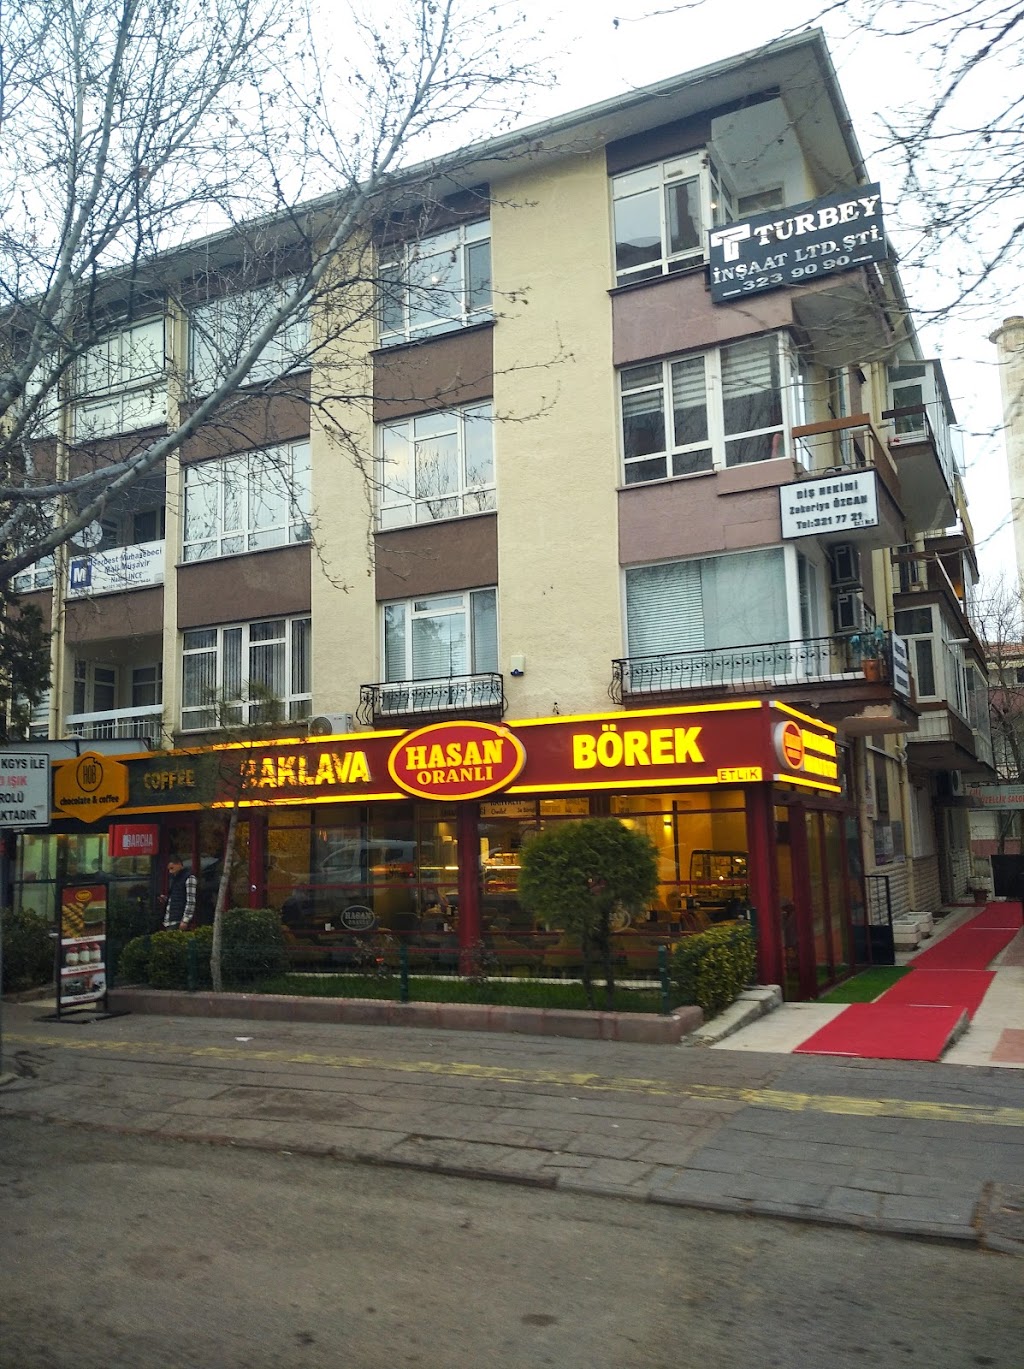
x: 797, y: 245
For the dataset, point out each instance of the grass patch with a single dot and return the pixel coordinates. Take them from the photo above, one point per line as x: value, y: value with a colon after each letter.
x: 519, y: 994
x: 866, y: 986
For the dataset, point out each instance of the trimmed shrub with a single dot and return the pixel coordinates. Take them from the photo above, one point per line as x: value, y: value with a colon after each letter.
x: 28, y: 950
x: 713, y: 967
x: 253, y: 948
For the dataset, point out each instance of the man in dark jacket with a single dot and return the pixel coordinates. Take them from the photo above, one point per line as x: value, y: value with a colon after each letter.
x: 180, y: 900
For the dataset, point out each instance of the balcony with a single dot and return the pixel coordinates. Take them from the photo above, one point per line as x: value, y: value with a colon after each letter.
x: 127, y: 724
x: 479, y: 696
x: 851, y: 490
x: 857, y: 681
x: 921, y: 419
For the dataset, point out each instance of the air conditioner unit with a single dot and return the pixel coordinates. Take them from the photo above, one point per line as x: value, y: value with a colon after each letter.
x: 848, y: 611
x: 331, y: 724
x: 956, y: 783
x: 845, y: 560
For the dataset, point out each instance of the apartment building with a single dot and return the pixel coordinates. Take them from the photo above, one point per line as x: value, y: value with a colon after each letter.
x: 652, y: 510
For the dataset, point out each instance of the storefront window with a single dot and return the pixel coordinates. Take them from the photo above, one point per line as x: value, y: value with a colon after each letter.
x: 701, y: 841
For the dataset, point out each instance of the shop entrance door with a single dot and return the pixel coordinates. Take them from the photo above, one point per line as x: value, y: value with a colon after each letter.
x: 828, y: 889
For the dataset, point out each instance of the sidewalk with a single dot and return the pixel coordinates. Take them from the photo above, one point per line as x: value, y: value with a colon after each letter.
x: 933, y: 1151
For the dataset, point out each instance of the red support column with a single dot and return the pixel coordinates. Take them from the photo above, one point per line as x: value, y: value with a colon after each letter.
x: 763, y: 882
x: 469, y: 877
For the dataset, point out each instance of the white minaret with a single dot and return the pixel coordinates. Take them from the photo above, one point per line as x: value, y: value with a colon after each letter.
x: 1009, y: 341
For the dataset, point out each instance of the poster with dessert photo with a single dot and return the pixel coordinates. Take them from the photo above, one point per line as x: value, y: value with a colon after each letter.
x: 83, y: 944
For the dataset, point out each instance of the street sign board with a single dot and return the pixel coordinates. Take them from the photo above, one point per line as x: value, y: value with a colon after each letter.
x: 24, y: 789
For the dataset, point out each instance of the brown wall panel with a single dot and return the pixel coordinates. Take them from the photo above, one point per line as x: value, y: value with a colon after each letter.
x: 674, y: 314
x: 257, y: 420
x: 462, y: 554
x: 702, y: 515
x: 42, y: 600
x: 113, y: 617
x: 436, y: 373
x: 243, y: 589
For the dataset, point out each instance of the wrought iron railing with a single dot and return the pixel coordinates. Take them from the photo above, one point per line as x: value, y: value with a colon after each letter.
x: 481, y: 693
x: 769, y: 665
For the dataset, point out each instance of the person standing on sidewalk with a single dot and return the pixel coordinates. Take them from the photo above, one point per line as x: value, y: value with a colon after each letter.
x: 180, y: 900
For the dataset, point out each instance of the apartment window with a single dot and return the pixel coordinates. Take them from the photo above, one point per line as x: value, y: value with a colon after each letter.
x: 447, y: 634
x: 119, y: 382
x: 916, y: 625
x: 436, y: 284
x: 438, y: 465
x: 37, y: 576
x: 223, y: 330
x: 715, y: 602
x: 663, y: 214
x: 723, y: 408
x: 246, y: 673
x: 247, y: 502
x: 147, y: 686
x: 95, y: 688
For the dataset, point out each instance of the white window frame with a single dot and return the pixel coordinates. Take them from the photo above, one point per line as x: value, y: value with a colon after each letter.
x: 676, y: 457
x: 716, y: 203
x: 452, y: 307
x: 233, y: 484
x: 87, y: 679
x: 37, y: 576
x: 120, y: 382
x: 222, y: 330
x: 403, y: 467
x: 457, y: 603
x: 233, y: 650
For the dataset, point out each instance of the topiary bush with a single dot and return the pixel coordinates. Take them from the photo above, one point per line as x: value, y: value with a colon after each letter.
x: 28, y: 950
x: 253, y: 948
x: 712, y: 968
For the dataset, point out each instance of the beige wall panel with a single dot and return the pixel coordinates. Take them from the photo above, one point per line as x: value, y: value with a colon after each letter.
x: 341, y: 439
x: 431, y: 559
x: 675, y: 314
x: 556, y: 439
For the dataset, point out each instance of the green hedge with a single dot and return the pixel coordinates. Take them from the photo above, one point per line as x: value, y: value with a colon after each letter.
x: 714, y: 967
x: 28, y: 950
x: 253, y: 947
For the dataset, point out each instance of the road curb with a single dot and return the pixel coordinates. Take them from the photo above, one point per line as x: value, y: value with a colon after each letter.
x: 644, y: 1028
x: 954, y: 1234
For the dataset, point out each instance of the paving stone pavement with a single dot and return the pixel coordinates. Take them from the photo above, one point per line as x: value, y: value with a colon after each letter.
x: 913, y: 1149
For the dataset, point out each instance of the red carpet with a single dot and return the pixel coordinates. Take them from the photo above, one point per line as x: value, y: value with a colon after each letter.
x: 976, y: 944
x: 963, y: 989
x: 915, y: 1019
x: 872, y: 1031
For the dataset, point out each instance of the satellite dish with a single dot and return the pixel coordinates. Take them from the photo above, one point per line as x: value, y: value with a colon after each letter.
x: 90, y: 536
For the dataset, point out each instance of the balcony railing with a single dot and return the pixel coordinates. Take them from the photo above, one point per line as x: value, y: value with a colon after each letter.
x: 770, y: 665
x: 846, y: 445
x: 479, y: 694
x: 116, y: 724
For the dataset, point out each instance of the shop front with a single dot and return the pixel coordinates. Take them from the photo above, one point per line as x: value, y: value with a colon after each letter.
x: 417, y: 835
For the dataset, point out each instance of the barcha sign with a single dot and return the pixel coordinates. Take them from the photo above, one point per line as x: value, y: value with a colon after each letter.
x: 797, y: 245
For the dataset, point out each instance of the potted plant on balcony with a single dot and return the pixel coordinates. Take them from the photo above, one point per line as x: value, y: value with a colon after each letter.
x: 871, y: 648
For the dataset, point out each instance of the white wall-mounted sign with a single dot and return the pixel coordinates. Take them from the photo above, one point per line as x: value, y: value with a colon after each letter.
x: 834, y: 506
x: 900, y: 667
x: 119, y: 568
x: 24, y: 789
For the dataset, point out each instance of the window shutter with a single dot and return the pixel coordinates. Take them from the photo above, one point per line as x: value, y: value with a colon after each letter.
x: 664, y: 608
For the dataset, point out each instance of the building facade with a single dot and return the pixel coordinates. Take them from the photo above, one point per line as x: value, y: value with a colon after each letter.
x: 638, y: 439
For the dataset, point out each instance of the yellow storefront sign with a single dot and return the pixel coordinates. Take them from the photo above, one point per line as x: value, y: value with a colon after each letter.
x: 90, y: 787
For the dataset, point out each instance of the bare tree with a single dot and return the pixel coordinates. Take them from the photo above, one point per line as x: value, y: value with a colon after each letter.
x: 127, y: 127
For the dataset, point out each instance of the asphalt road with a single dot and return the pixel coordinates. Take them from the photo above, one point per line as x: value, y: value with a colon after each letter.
x: 119, y: 1251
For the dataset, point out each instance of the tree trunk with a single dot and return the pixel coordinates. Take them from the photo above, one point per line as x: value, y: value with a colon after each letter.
x: 216, y: 974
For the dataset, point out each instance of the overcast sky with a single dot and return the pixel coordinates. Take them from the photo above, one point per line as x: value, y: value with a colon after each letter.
x: 595, y: 60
